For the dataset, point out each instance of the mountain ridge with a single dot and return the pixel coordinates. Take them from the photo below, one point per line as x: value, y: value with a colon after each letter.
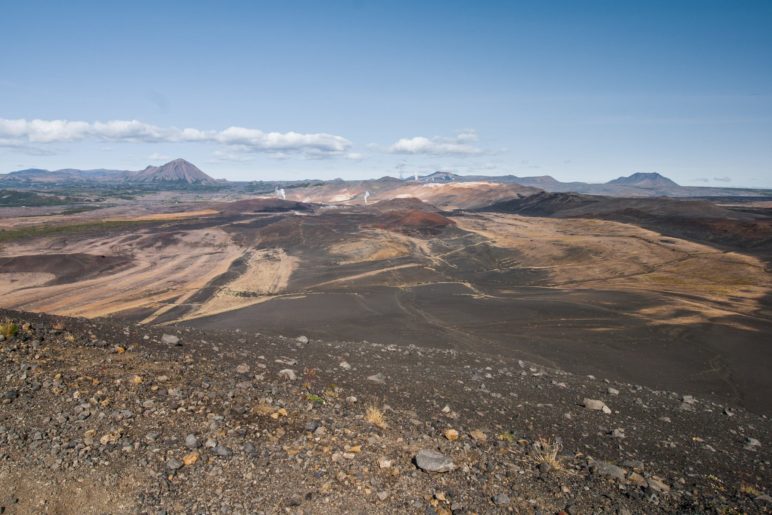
x: 175, y: 171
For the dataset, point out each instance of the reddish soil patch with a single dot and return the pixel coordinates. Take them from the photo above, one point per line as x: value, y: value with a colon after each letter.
x: 402, y: 204
x: 413, y: 222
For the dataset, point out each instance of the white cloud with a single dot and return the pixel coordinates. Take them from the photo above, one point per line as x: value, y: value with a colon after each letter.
x: 237, y: 139
x: 157, y: 156
x: 462, y: 143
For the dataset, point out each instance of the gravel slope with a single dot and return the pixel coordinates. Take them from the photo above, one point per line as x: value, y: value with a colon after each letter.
x: 98, y: 416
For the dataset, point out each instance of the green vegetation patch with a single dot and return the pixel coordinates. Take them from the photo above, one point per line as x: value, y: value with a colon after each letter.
x: 37, y: 231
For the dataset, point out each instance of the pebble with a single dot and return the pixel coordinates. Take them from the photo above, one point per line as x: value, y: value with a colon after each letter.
x: 174, y: 464
x: 190, y: 458
x: 242, y: 368
x: 603, y: 468
x: 377, y: 378
x: 302, y: 339
x: 751, y: 444
x: 478, y: 436
x: 596, y: 405
x: 170, y: 339
x: 191, y: 442
x: 501, y: 499
x: 222, y: 451
x: 288, y: 374
x: 451, y: 434
x: 658, y: 485
x: 434, y: 461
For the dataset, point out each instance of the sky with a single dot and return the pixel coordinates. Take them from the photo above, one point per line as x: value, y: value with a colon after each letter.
x: 249, y: 90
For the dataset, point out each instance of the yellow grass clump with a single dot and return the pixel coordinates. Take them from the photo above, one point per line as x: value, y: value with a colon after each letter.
x: 375, y: 416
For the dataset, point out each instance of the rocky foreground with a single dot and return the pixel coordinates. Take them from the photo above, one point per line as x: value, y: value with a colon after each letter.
x: 104, y: 417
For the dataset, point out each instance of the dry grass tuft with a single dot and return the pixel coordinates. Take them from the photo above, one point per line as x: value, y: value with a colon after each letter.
x: 749, y: 490
x: 375, y: 416
x: 545, y: 450
x: 8, y: 329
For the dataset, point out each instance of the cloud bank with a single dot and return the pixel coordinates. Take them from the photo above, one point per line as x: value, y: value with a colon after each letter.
x: 24, y: 132
x: 462, y: 144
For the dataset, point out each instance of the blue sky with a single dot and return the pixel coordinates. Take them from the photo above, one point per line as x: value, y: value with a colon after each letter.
x: 258, y: 90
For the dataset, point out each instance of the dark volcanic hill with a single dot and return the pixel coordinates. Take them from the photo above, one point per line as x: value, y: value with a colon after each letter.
x: 652, y: 181
x: 697, y: 220
x: 635, y: 185
x: 178, y: 170
x: 67, y: 175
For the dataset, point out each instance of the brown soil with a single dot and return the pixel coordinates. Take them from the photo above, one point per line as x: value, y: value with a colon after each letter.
x: 413, y: 222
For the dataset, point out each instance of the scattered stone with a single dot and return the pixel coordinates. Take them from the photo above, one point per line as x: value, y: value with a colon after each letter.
x: 173, y: 464
x: 288, y: 374
x: 637, y: 480
x: 501, y: 499
x: 751, y: 444
x: 222, y: 451
x: 192, y: 442
x: 190, y: 458
x: 377, y: 378
x: 596, y: 405
x: 478, y: 436
x: 242, y: 368
x: 603, y: 468
x: 170, y: 339
x: 302, y: 339
x: 613, y: 391
x: 658, y: 485
x: 451, y: 434
x: 344, y: 365
x: 384, y: 463
x: 433, y: 461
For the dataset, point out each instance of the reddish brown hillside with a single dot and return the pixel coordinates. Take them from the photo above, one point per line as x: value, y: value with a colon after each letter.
x: 413, y: 222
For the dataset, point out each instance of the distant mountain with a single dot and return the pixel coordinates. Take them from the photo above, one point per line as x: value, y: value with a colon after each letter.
x: 37, y: 175
x: 178, y: 170
x: 652, y: 181
x: 636, y: 185
x: 440, y: 177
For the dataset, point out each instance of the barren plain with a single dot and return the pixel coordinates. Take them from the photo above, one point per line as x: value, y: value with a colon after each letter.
x: 583, y: 293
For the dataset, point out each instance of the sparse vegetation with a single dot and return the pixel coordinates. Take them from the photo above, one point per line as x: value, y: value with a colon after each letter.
x: 506, y: 437
x: 750, y: 490
x: 316, y: 399
x: 374, y: 415
x: 50, y: 230
x: 545, y: 450
x: 8, y: 329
